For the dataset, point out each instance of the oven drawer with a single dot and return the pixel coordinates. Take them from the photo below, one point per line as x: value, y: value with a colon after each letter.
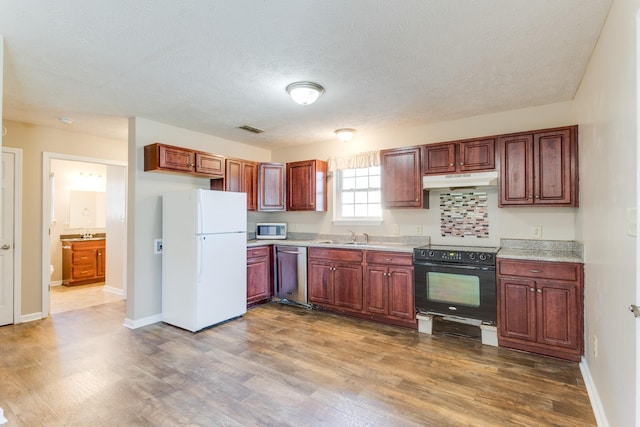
x: 539, y: 269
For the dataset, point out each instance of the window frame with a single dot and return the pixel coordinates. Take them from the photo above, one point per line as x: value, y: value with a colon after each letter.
x: 338, y: 219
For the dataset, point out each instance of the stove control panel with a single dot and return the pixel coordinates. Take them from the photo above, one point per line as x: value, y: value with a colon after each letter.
x: 455, y: 256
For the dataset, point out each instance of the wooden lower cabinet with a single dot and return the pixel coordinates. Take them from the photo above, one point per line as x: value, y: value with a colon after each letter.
x: 83, y: 261
x: 389, y: 285
x: 540, y: 307
x: 373, y: 285
x: 258, y: 275
x: 335, y: 278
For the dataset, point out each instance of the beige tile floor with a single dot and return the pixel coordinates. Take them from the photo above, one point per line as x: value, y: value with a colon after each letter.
x: 67, y: 298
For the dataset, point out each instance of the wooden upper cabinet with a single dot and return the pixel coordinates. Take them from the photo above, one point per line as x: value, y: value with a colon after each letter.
x: 209, y: 164
x: 271, y: 184
x: 470, y: 155
x: 242, y: 176
x: 163, y: 157
x: 539, y: 168
x: 401, y: 178
x: 307, y: 186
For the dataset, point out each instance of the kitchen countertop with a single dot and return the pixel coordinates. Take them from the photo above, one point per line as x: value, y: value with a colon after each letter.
x: 80, y: 239
x: 541, y: 250
x: 378, y: 246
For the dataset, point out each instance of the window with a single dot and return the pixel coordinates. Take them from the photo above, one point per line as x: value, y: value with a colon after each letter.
x: 357, y: 196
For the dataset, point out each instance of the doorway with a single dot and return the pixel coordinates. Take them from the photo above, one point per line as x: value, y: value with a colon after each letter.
x: 96, y: 189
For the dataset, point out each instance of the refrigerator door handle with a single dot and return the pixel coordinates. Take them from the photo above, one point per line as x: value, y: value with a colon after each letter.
x: 200, y: 256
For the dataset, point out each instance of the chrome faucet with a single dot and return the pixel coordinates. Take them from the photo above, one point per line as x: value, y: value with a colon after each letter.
x: 353, y: 235
x: 366, y: 237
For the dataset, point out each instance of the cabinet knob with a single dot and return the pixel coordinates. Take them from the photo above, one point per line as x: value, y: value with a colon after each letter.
x: 537, y: 197
x: 531, y: 290
x: 539, y: 291
x: 461, y: 164
x: 451, y: 164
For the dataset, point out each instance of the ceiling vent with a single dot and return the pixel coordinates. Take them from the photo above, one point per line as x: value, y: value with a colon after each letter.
x: 250, y: 129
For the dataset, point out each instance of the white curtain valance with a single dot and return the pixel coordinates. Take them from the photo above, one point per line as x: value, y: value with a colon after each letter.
x: 360, y: 160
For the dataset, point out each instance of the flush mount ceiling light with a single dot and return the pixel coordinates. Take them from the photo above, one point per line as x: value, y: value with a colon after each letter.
x: 345, y: 134
x: 65, y: 120
x: 304, y: 93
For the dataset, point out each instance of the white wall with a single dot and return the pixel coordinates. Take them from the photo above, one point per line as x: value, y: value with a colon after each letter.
x: 144, y: 206
x: 557, y: 223
x: 606, y: 108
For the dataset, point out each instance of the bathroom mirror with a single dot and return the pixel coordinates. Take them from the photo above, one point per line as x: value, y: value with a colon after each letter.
x: 87, y: 209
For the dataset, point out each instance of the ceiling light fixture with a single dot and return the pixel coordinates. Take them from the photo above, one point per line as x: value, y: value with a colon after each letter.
x: 345, y: 134
x: 305, y: 93
x: 66, y: 120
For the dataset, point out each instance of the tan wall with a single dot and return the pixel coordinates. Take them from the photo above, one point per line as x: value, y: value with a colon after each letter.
x: 34, y: 140
x: 557, y: 223
x: 607, y: 108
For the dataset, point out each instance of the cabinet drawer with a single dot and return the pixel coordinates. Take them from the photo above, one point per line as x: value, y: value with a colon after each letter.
x: 83, y: 257
x: 258, y: 252
x: 82, y: 272
x: 395, y: 258
x: 336, y: 254
x: 540, y: 269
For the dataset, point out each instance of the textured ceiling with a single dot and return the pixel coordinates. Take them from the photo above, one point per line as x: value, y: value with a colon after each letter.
x: 212, y: 66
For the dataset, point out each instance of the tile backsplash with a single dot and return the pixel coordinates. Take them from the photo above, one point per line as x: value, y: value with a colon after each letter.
x: 464, y: 214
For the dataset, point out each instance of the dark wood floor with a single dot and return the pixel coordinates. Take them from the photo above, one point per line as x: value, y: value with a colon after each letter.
x: 278, y: 365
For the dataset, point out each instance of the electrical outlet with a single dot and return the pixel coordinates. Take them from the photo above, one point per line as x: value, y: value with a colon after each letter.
x: 536, y: 231
x: 594, y: 345
x: 157, y: 246
x: 396, y: 229
x: 418, y: 229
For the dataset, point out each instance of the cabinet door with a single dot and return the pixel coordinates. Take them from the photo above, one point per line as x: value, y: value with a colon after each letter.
x: 477, y: 155
x: 320, y: 284
x: 101, y: 262
x: 554, y: 166
x: 517, y: 308
x: 376, y: 290
x: 401, y: 178
x: 271, y: 182
x: 347, y: 285
x: 209, y: 164
x: 401, y: 292
x: 234, y: 178
x: 439, y: 158
x: 250, y: 172
x: 516, y: 170
x: 258, y: 279
x: 306, y: 186
x: 558, y: 314
x: 176, y: 158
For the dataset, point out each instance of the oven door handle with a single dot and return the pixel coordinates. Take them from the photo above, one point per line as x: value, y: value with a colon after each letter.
x: 454, y: 266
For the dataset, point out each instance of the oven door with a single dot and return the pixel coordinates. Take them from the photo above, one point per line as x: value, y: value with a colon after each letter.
x: 456, y: 290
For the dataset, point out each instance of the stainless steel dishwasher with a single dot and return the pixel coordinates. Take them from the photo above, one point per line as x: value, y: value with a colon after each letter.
x: 290, y: 271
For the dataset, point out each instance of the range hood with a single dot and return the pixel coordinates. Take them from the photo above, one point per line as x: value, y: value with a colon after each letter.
x: 461, y: 180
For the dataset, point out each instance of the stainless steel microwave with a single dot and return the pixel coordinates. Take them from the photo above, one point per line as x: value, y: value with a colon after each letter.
x: 271, y: 230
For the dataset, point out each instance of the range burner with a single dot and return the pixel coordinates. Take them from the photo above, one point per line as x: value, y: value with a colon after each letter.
x: 474, y: 255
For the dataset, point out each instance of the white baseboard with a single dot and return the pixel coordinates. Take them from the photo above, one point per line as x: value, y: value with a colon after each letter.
x: 55, y: 283
x: 138, y: 323
x: 111, y: 289
x: 31, y: 317
x: 594, y: 397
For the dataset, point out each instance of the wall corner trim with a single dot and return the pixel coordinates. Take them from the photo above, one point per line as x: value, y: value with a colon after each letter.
x: 138, y: 323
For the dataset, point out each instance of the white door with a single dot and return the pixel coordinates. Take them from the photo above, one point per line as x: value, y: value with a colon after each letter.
x: 7, y: 238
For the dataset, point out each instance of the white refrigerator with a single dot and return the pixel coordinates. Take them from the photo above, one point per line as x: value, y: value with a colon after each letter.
x: 204, y: 257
